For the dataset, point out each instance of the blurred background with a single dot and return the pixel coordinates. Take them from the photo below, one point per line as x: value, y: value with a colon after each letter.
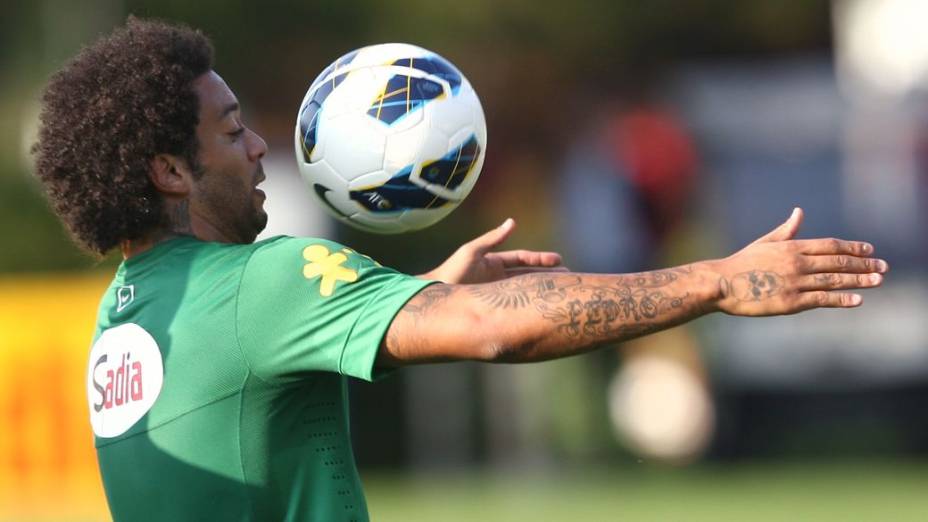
x: 626, y: 135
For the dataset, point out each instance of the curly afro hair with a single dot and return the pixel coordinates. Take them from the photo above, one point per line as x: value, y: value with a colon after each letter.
x: 106, y: 115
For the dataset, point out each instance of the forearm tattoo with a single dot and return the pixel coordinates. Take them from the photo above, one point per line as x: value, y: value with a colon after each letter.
x: 634, y: 304
x: 755, y: 285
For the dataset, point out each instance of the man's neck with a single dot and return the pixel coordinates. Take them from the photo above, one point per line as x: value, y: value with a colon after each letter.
x: 182, y: 221
x: 178, y: 223
x: 137, y: 246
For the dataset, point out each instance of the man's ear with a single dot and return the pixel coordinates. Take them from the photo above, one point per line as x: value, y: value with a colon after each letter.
x: 171, y: 175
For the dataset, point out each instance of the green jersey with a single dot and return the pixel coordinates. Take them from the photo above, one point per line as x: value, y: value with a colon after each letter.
x: 217, y: 385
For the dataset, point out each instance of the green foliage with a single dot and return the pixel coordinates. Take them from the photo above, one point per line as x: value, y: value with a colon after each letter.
x: 32, y: 238
x: 270, y: 51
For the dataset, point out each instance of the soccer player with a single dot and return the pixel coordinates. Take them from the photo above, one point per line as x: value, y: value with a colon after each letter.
x: 216, y: 379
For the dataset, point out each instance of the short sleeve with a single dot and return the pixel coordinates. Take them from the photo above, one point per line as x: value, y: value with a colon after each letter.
x: 308, y: 305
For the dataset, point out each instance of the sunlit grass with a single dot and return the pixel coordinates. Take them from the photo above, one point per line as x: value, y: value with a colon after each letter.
x: 757, y: 492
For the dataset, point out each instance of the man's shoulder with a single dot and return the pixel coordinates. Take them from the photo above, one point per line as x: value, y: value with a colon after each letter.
x: 281, y: 260
x: 282, y: 251
x: 232, y: 254
x: 284, y: 245
x: 308, y: 264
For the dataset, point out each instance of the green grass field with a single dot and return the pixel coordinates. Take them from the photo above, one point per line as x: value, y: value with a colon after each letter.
x: 811, y: 491
x: 848, y: 491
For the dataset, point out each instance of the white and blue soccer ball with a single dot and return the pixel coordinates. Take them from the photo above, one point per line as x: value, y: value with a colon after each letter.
x: 391, y: 138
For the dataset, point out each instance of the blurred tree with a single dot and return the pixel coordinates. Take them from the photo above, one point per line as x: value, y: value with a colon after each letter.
x: 530, y: 60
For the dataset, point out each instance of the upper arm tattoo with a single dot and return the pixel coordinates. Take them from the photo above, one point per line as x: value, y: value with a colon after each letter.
x: 427, y: 299
x: 404, y: 335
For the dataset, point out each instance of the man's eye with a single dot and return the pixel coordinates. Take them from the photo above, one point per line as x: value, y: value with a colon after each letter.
x: 238, y: 132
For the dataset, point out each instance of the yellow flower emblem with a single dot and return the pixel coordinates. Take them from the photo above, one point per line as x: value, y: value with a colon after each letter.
x: 324, y: 263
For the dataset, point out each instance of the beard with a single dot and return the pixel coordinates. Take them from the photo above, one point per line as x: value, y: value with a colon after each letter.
x: 258, y: 220
x: 249, y: 218
x: 235, y: 206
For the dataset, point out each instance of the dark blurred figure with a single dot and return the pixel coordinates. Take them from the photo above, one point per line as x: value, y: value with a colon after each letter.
x: 632, y: 171
x: 626, y: 186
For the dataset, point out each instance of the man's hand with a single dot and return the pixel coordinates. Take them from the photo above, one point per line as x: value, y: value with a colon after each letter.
x: 779, y: 275
x: 474, y: 263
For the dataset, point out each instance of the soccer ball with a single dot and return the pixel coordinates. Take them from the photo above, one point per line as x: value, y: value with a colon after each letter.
x: 390, y: 138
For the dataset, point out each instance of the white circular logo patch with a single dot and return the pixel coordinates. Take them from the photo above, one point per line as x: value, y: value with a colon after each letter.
x: 124, y: 378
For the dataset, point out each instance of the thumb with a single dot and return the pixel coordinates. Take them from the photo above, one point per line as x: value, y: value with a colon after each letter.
x: 786, y: 231
x: 493, y: 238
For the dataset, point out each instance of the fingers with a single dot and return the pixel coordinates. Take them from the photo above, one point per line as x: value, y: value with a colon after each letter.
x: 482, y: 245
x: 838, y: 281
x: 822, y: 299
x: 833, y: 246
x: 786, y: 231
x: 844, y: 264
x: 493, y: 238
x: 518, y: 258
x: 512, y: 272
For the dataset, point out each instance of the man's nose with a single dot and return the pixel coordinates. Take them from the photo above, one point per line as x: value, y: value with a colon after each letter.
x: 257, y: 146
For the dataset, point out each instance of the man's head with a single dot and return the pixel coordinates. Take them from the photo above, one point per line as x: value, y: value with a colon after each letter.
x: 216, y: 197
x: 137, y: 134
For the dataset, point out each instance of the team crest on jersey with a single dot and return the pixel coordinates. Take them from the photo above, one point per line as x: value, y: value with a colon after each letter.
x: 327, y: 266
x: 124, y: 378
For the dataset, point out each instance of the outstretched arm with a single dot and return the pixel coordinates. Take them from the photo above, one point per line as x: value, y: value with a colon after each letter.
x: 543, y: 316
